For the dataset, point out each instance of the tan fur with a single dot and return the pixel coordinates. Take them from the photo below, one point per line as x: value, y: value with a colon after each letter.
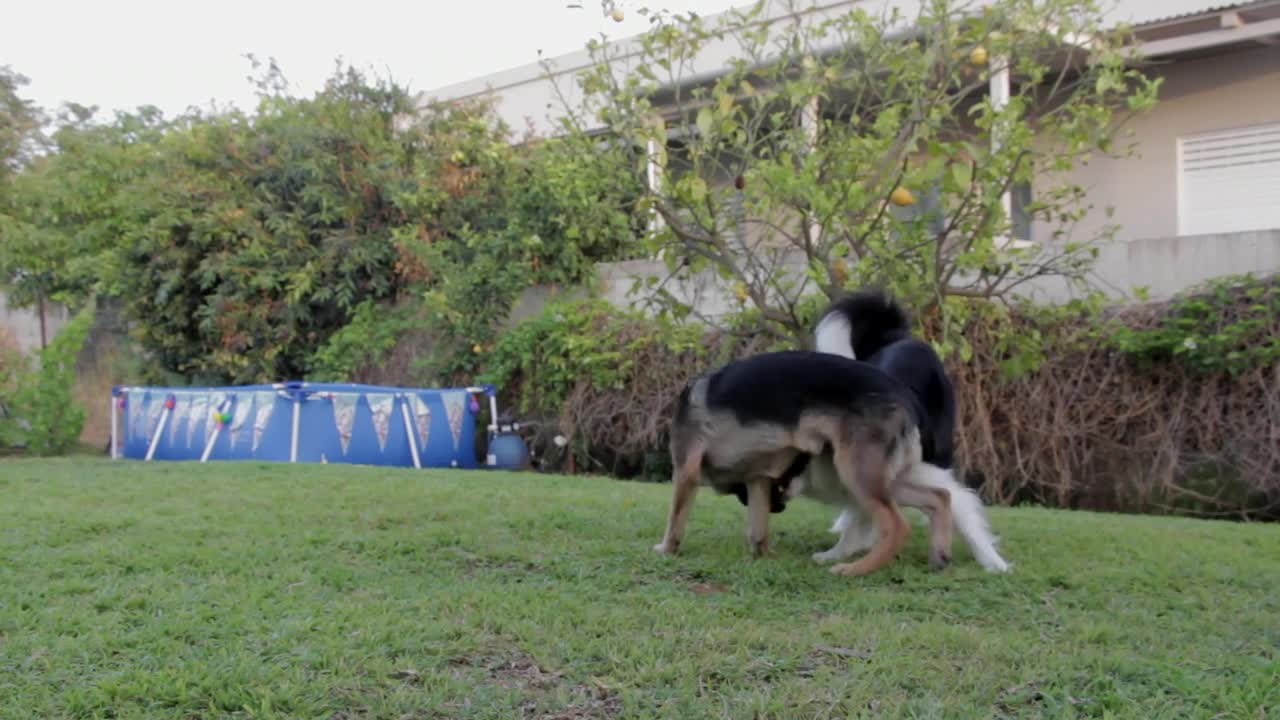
x: 684, y: 483
x: 869, y: 486
x: 758, y: 516
x: 820, y: 482
x: 936, y: 504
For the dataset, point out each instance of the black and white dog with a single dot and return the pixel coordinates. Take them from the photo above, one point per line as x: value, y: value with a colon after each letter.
x: 870, y: 326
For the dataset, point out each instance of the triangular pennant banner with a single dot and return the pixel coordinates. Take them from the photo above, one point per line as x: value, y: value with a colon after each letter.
x: 381, y: 404
x: 264, y: 403
x: 198, y: 410
x: 155, y: 409
x: 239, y: 417
x: 344, y: 416
x: 422, y: 418
x: 180, y: 405
x: 211, y: 419
x: 137, y: 402
x: 455, y: 403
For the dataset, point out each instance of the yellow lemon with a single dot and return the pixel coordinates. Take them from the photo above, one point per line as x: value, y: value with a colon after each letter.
x: 840, y: 271
x: 617, y: 14
x: 902, y: 196
x: 978, y: 56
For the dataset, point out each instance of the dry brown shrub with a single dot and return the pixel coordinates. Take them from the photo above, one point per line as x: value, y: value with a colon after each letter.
x: 631, y: 422
x: 1091, y: 429
x: 1087, y: 429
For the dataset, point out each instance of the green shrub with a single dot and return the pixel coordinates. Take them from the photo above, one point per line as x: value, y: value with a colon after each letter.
x: 41, y: 414
x: 1229, y: 325
x: 372, y: 333
x: 573, y: 342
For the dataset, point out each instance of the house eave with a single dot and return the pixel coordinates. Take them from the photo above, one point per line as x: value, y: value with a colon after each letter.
x: 1236, y: 27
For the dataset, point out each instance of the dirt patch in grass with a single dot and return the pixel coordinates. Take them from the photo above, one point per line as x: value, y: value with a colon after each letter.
x: 473, y: 564
x: 514, y: 669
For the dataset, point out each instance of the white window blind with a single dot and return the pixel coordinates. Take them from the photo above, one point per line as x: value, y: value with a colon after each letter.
x: 1229, y: 180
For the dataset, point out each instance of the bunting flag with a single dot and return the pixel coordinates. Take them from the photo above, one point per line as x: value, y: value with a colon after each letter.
x: 154, y: 411
x: 455, y: 403
x: 197, y: 410
x: 422, y: 418
x: 264, y: 402
x: 211, y: 422
x: 241, y: 414
x: 180, y: 405
x: 381, y: 404
x: 344, y: 416
x: 137, y: 413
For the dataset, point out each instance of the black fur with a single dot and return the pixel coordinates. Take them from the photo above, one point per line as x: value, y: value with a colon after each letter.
x: 777, y: 490
x: 778, y: 387
x: 880, y: 335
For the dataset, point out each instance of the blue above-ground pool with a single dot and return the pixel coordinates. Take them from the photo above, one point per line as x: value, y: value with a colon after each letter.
x: 299, y: 422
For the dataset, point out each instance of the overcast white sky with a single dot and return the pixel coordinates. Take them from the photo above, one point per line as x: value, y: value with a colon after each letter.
x: 120, y: 54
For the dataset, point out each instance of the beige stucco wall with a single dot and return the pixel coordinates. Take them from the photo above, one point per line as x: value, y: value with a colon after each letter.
x: 22, y: 325
x: 1214, y: 93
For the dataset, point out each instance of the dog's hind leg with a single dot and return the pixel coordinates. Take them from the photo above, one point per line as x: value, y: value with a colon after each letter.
x: 936, y: 503
x: 969, y: 517
x: 758, y: 501
x: 684, y: 482
x: 856, y: 535
x: 863, y: 469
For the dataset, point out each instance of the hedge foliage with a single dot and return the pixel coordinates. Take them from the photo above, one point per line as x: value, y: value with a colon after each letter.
x: 241, y: 243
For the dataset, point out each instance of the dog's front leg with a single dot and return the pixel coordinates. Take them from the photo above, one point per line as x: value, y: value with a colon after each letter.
x: 758, y: 515
x: 684, y: 482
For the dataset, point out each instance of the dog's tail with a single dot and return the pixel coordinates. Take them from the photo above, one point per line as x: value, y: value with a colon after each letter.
x: 861, y: 323
x: 967, y: 512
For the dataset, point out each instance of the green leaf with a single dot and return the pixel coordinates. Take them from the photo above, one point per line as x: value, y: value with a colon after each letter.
x: 705, y: 121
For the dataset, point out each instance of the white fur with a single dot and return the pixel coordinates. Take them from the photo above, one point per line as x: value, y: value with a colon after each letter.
x: 832, y: 335
x: 857, y: 534
x: 967, y: 513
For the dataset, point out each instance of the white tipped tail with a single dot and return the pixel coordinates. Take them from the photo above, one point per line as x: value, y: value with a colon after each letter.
x: 968, y: 514
x: 834, y: 335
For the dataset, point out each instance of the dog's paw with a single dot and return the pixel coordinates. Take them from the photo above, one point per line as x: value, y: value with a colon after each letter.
x: 997, y: 565
x: 663, y: 549
x: 938, y: 561
x: 852, y: 569
x: 827, y: 556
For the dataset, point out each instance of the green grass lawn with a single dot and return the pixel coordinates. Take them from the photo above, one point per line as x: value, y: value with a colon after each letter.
x: 322, y: 591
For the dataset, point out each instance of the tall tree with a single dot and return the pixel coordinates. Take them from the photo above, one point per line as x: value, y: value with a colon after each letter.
x: 20, y: 123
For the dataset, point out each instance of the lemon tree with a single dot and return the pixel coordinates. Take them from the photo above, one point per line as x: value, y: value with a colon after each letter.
x: 850, y: 148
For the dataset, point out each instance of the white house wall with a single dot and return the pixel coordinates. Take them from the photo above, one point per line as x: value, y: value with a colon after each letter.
x: 526, y: 97
x: 1216, y: 93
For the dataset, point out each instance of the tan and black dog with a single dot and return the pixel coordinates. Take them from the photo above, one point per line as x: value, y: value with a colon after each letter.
x: 755, y: 420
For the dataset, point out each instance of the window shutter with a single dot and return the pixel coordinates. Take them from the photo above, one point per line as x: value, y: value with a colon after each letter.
x: 1229, y: 180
